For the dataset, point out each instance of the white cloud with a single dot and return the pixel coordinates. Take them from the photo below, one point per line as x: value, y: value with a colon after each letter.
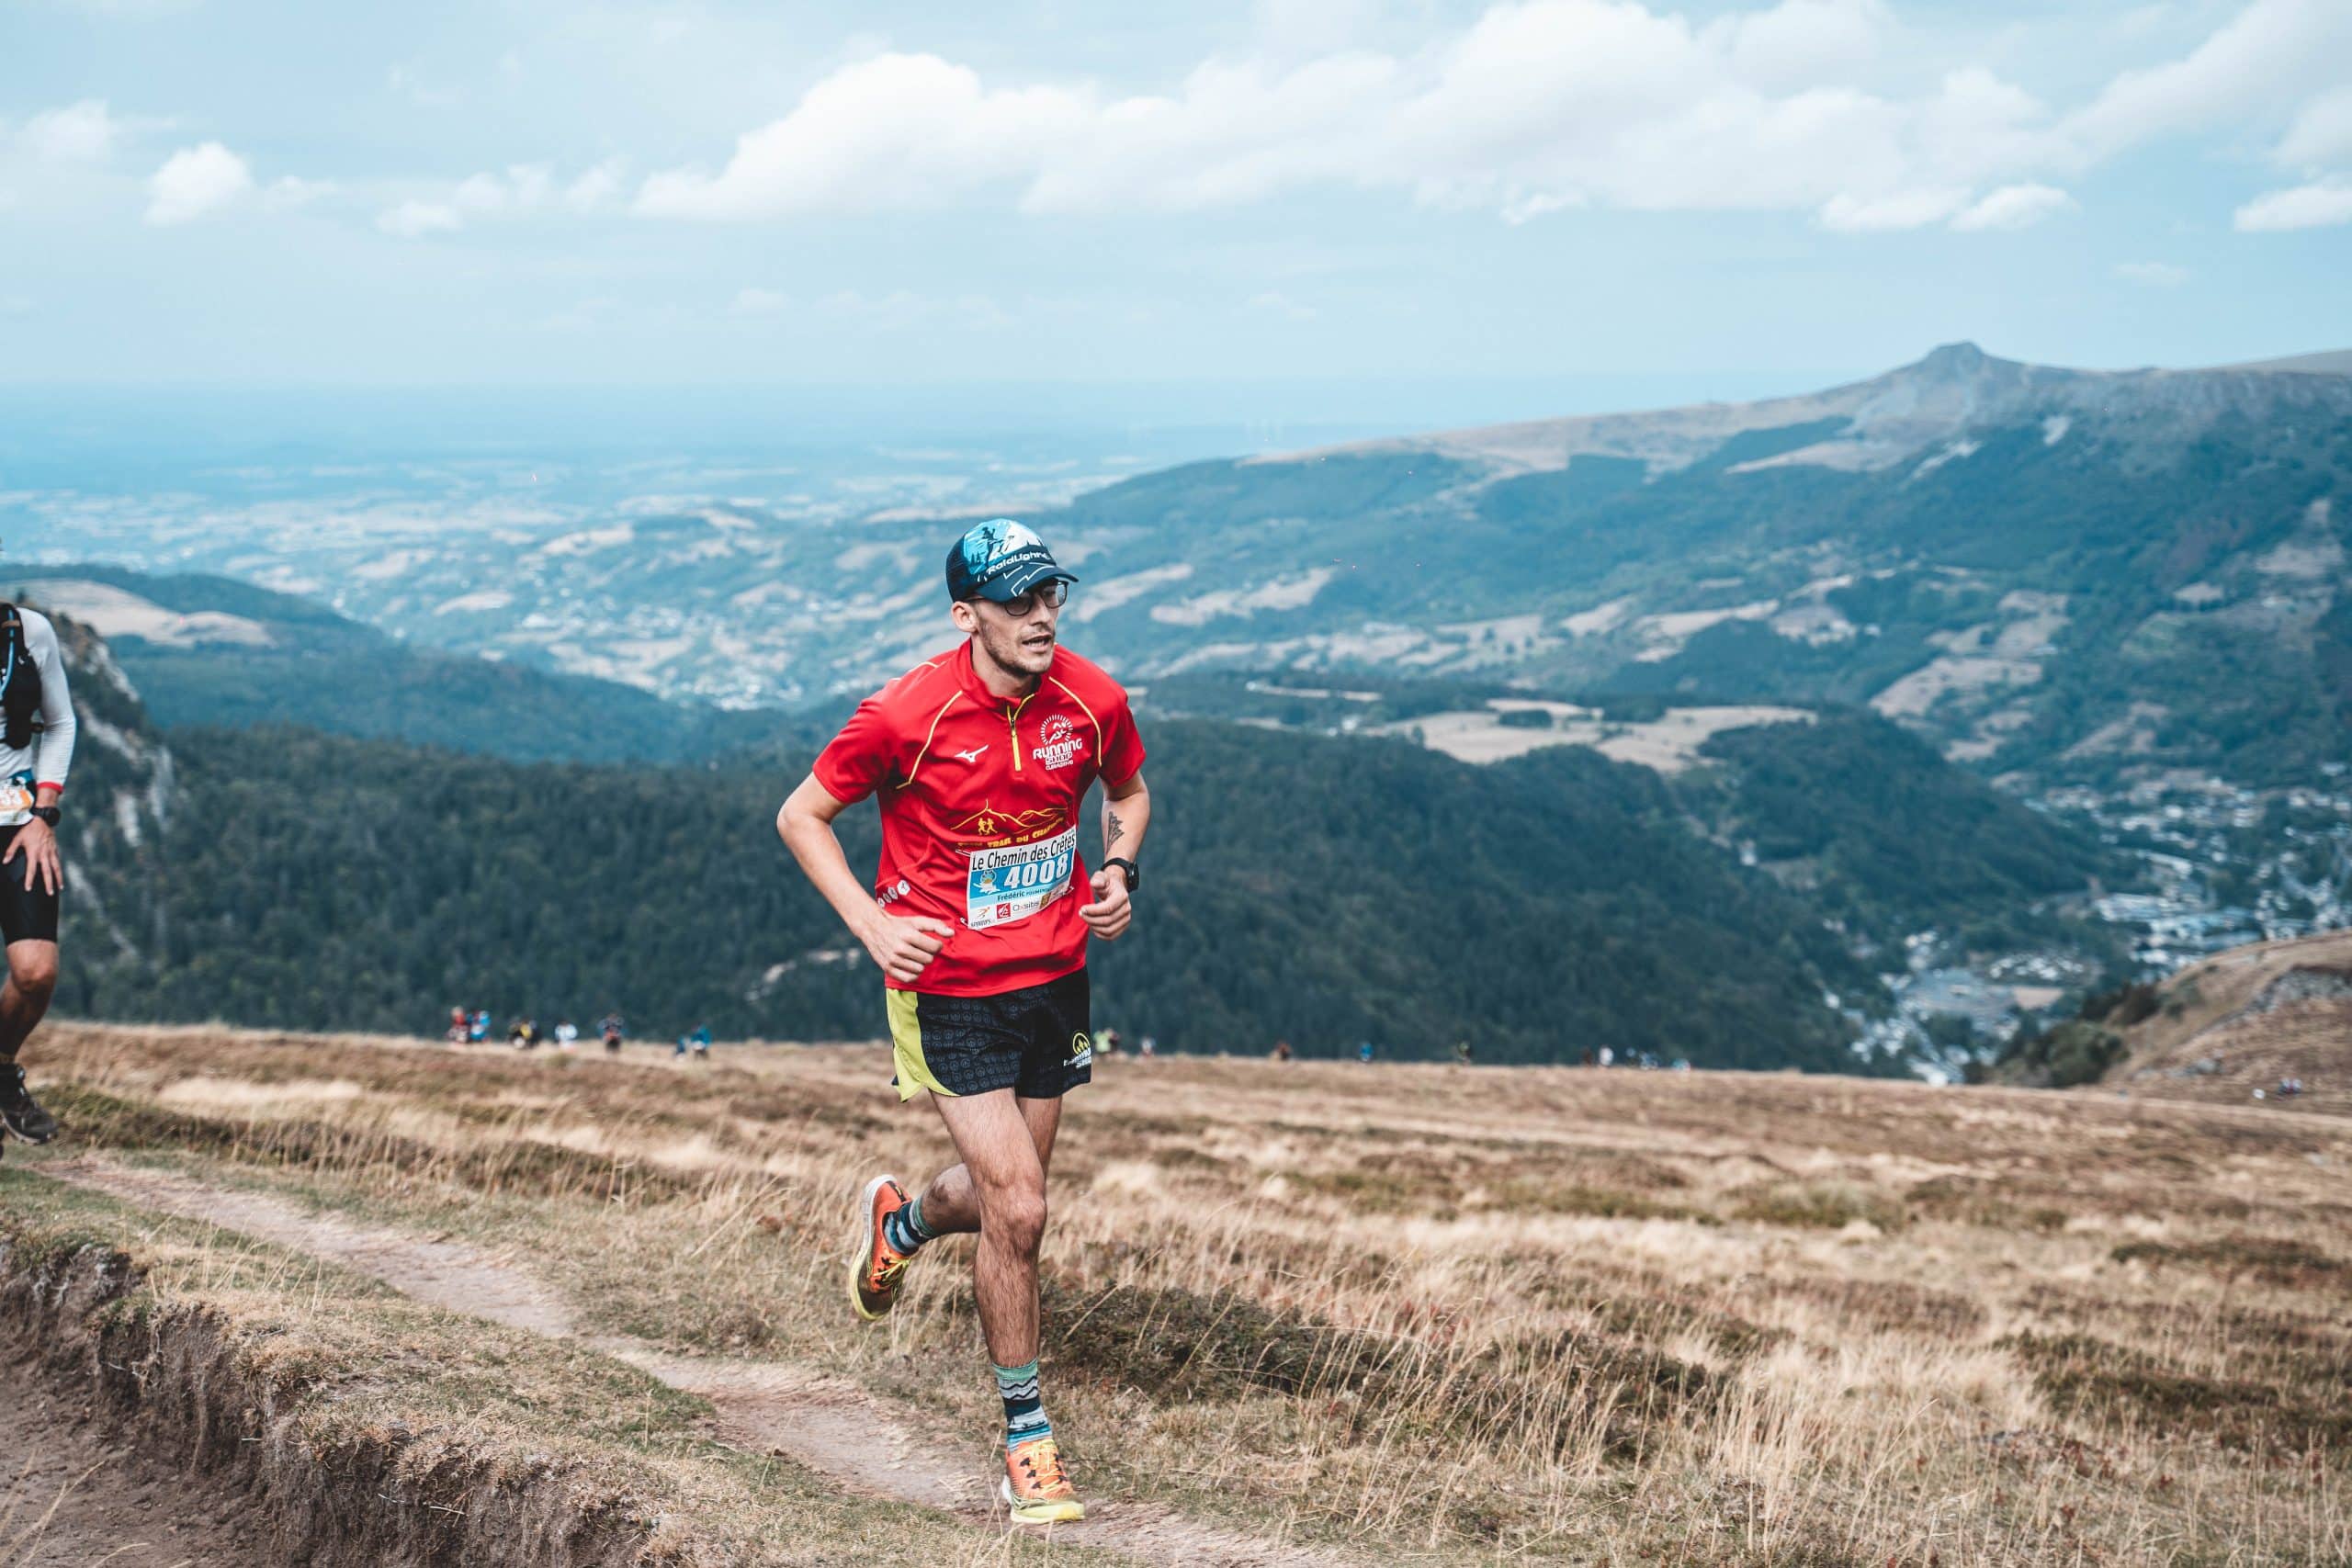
x: 2152, y: 274
x: 289, y: 191
x: 759, y: 302
x: 516, y: 191
x: 1536, y: 105
x: 1902, y: 210
x: 891, y: 132
x: 598, y: 189
x: 2013, y: 206
x: 2269, y: 53
x: 2321, y: 135
x: 1527, y: 207
x: 2321, y: 204
x: 83, y: 132
x: 195, y: 181
x: 413, y: 220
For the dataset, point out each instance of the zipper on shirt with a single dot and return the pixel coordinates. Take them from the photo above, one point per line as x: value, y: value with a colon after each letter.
x: 1012, y: 736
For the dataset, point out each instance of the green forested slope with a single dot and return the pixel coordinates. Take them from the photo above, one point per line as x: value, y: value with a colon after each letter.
x: 324, y: 671
x: 1887, y: 836
x: 1324, y: 891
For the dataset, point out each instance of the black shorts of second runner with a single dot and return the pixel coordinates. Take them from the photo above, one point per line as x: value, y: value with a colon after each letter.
x: 1033, y: 1040
x: 25, y: 916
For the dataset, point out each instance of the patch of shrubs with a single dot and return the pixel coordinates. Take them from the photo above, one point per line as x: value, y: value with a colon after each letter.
x: 2122, y: 1006
x: 2087, y: 1376
x: 2077, y: 1051
x: 2275, y: 1260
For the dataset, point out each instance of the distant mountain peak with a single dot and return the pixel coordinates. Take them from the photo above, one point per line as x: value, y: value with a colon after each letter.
x: 1953, y: 358
x: 1892, y: 417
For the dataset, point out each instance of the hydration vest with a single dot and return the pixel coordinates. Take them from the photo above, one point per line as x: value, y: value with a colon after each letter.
x: 19, y: 679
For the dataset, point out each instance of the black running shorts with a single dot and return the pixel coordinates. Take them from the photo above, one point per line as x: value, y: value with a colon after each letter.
x: 1032, y: 1041
x: 25, y: 916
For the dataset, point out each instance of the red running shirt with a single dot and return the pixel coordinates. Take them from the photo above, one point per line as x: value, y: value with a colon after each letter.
x: 980, y: 798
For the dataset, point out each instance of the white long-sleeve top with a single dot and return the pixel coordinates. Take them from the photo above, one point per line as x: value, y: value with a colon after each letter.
x: 47, y: 756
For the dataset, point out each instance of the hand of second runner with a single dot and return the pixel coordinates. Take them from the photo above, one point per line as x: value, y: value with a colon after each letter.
x: 902, y: 946
x: 38, y: 846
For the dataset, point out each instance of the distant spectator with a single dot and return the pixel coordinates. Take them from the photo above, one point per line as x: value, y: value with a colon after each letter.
x: 1108, y: 1043
x: 701, y: 1040
x: 1148, y: 1048
x: 523, y: 1034
x: 1281, y: 1050
x: 1462, y: 1053
x: 1363, y: 1052
x: 567, y: 1035
x: 1585, y: 1056
x: 613, y: 1032
x: 684, y: 1045
x: 460, y: 1028
x: 1608, y: 1055
x: 481, y: 1031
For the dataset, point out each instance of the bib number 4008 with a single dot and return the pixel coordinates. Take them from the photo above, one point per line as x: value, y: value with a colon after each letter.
x: 1014, y: 883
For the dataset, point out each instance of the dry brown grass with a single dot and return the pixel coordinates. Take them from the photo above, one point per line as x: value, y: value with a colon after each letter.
x: 356, y: 1427
x: 1548, y: 1313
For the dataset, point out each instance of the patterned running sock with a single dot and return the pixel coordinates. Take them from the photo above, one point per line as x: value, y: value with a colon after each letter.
x: 1024, y: 1412
x: 904, y: 1229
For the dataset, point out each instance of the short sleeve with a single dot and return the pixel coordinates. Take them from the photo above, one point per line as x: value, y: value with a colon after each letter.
x: 1121, y: 744
x: 854, y: 763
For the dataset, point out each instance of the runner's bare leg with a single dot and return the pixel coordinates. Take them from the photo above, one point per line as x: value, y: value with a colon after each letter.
x: 998, y: 1190
x: 951, y: 1202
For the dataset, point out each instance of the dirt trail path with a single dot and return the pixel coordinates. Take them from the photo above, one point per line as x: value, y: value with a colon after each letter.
x: 69, y: 1497
x: 828, y: 1424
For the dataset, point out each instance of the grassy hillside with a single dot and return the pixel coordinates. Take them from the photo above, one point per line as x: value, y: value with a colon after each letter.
x: 2221, y: 1030
x: 1396, y: 1313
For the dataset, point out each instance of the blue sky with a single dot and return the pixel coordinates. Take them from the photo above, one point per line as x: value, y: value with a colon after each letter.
x: 211, y: 193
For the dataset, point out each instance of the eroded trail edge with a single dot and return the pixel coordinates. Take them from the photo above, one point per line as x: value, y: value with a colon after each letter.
x: 827, y: 1424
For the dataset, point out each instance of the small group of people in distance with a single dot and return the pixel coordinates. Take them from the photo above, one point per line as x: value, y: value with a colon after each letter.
x: 1609, y: 1056
x: 473, y: 1028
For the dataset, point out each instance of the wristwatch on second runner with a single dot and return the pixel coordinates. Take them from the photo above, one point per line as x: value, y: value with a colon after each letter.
x: 1134, y: 877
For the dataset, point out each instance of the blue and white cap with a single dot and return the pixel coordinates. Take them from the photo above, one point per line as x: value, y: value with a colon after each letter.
x: 999, y: 559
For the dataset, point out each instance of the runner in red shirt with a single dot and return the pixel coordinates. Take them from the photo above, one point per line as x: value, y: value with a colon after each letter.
x: 980, y: 759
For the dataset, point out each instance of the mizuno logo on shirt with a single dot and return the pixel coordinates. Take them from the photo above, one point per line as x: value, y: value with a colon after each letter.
x: 967, y: 756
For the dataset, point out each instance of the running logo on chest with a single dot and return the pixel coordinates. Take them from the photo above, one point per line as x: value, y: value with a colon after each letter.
x: 1016, y: 882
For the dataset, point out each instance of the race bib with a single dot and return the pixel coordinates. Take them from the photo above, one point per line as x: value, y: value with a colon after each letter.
x: 1014, y: 883
x: 15, y: 800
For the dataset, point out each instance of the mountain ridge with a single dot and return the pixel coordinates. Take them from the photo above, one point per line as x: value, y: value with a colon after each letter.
x: 1897, y: 412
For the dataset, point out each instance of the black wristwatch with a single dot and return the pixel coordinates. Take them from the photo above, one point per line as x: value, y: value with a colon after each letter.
x: 50, y: 814
x: 1134, y: 877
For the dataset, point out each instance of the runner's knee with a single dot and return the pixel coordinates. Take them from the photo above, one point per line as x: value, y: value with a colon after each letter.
x: 34, y: 973
x: 1016, y: 1217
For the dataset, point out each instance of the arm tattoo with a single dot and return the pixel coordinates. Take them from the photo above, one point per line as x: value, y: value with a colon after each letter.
x: 1118, y: 829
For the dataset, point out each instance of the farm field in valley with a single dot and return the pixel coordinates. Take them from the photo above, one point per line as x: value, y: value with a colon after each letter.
x: 593, y: 1310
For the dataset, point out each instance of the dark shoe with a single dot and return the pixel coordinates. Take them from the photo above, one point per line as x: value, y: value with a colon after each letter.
x: 18, y: 1110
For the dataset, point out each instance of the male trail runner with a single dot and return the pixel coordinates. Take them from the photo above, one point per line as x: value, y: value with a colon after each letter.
x: 33, y: 764
x: 981, y: 758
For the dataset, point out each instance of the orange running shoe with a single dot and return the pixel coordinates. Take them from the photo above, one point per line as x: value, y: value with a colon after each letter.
x: 1037, y: 1488
x: 875, y: 1266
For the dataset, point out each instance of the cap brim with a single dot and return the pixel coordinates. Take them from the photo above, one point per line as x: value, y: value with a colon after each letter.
x: 1014, y: 584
